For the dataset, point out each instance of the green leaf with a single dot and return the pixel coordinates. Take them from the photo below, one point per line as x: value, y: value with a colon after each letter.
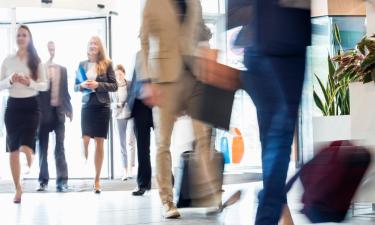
x: 368, y: 62
x: 337, y: 33
x: 362, y: 46
x: 337, y: 39
x: 324, y: 91
x: 319, y: 103
x: 331, y: 66
x: 331, y: 102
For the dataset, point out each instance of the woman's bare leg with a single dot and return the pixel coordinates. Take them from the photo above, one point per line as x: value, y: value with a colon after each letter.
x: 15, y: 168
x: 99, y: 157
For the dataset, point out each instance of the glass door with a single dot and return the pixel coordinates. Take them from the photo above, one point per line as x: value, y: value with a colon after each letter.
x: 71, y: 38
x: 5, y: 50
x: 240, y: 145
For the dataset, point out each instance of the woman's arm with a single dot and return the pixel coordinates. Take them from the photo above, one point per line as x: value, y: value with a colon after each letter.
x: 41, y: 83
x: 78, y: 87
x: 111, y: 84
x: 5, y: 82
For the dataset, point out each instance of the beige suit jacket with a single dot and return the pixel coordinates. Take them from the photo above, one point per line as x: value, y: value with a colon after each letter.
x: 165, y: 40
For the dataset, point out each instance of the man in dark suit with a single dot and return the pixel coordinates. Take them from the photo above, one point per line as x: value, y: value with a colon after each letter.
x: 55, y: 105
x: 143, y: 123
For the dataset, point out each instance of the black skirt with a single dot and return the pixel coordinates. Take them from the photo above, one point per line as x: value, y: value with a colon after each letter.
x: 95, y: 118
x: 22, y: 117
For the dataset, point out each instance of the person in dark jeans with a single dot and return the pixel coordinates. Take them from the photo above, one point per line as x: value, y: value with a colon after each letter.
x: 55, y: 105
x: 143, y: 122
x: 276, y: 67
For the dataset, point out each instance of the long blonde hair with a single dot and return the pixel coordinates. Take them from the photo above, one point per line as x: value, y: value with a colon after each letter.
x: 102, y: 60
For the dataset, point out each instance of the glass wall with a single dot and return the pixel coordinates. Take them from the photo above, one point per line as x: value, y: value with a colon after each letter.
x: 71, y: 48
x: 5, y: 50
x: 244, y: 124
x: 71, y: 38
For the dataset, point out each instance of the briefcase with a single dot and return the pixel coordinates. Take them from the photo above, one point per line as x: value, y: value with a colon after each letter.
x: 215, y: 91
x: 213, y: 106
x: 188, y: 192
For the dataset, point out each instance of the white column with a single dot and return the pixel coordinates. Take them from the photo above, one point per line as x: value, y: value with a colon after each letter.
x: 13, y: 30
x: 370, y: 17
x: 125, y: 31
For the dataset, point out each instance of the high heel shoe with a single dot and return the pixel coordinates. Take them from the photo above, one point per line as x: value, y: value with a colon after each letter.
x: 97, y: 190
x: 17, y: 199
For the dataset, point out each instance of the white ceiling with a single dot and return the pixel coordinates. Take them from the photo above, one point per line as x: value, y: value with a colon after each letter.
x: 28, y: 14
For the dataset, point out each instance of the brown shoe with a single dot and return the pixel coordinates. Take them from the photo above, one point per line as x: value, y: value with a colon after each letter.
x: 170, y: 211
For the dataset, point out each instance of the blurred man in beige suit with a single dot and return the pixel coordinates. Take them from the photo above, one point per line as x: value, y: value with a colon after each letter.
x: 169, y: 34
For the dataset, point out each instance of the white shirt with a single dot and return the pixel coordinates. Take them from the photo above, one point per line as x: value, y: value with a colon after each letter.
x: 91, y: 71
x: 120, y: 109
x: 53, y: 73
x: 13, y: 64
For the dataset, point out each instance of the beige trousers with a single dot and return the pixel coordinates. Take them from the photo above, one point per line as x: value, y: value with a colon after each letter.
x: 176, y: 98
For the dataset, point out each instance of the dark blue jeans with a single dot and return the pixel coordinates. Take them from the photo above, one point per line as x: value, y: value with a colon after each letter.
x: 274, y: 80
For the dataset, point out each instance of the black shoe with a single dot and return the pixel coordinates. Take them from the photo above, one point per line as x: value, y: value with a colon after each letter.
x: 139, y: 192
x: 97, y: 190
x: 42, y: 187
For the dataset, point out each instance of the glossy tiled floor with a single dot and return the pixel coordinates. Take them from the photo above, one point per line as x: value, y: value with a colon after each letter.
x: 120, y: 208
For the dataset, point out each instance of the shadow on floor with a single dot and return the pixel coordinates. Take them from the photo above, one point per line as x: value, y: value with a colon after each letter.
x: 79, y: 185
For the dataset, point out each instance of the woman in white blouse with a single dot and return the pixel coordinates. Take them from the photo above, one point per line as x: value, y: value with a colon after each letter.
x: 121, y: 113
x: 24, y: 76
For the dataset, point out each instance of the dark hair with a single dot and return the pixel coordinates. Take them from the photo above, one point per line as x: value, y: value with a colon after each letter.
x: 205, y: 33
x: 33, y: 59
x: 121, y: 68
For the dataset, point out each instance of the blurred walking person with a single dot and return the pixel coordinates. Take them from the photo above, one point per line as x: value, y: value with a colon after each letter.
x: 143, y: 123
x: 120, y: 112
x: 55, y: 105
x: 176, y: 26
x: 24, y: 76
x: 276, y: 37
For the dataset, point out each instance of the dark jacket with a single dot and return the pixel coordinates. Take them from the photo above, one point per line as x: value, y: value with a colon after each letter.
x: 65, y: 106
x: 136, y: 84
x: 241, y: 13
x: 133, y: 92
x: 107, y: 83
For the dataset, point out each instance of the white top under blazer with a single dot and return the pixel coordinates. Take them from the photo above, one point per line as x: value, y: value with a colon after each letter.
x: 13, y: 64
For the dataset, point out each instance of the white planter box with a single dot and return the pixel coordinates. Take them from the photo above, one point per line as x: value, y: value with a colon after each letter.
x: 362, y: 110
x: 330, y: 128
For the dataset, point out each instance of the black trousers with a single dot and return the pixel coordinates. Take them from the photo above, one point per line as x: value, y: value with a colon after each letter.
x: 142, y: 129
x: 58, y: 127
